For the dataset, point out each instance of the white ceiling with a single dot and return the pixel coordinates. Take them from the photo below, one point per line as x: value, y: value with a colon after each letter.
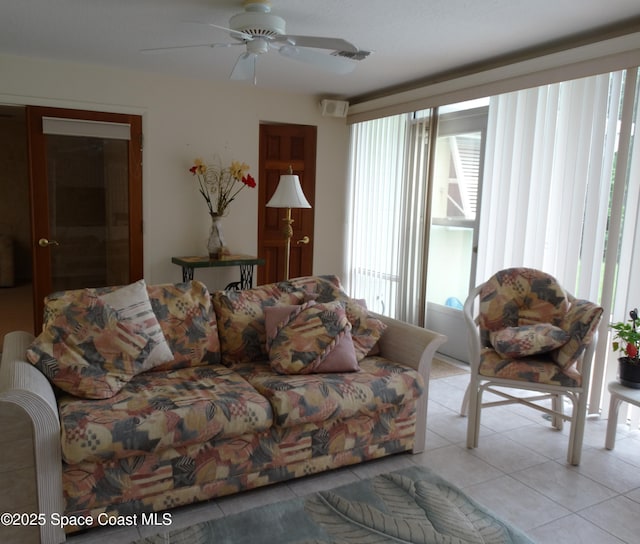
x: 410, y: 40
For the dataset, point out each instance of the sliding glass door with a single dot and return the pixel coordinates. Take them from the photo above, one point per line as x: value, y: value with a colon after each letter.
x: 456, y: 186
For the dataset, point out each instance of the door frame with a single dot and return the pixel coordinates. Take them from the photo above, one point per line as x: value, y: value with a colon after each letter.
x: 39, y: 199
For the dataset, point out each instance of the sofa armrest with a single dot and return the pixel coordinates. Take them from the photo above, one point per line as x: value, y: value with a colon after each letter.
x: 30, y: 458
x: 415, y: 347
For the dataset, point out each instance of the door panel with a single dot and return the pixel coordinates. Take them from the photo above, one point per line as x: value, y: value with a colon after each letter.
x: 282, y: 146
x: 86, y: 192
x: 457, y: 181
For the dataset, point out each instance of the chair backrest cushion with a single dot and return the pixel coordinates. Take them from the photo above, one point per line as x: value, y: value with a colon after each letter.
x: 520, y: 296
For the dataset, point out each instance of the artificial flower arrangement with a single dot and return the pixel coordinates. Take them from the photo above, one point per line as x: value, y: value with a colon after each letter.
x: 220, y: 185
x: 627, y: 337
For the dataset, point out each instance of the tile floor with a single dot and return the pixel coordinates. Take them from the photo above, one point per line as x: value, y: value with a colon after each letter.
x: 519, y: 471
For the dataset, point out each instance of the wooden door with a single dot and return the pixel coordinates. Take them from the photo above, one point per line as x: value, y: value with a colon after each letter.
x: 282, y: 146
x: 86, y: 200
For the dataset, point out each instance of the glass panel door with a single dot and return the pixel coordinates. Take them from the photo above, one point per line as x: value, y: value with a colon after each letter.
x: 88, y: 211
x: 86, y: 201
x: 457, y: 178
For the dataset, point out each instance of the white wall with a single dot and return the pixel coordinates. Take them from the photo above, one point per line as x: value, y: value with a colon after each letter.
x: 184, y: 119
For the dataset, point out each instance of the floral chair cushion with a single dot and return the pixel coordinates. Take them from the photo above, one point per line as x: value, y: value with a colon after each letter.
x: 520, y: 296
x: 581, y: 322
x: 88, y: 351
x: 540, y: 369
x: 241, y: 319
x: 528, y: 340
x: 162, y: 410
x: 366, y: 330
x: 312, y: 337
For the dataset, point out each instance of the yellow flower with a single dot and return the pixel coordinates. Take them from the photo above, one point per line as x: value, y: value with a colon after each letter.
x: 238, y: 169
x: 201, y: 167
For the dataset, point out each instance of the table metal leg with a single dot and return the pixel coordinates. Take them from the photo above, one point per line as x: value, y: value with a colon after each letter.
x: 187, y: 274
x: 246, y: 276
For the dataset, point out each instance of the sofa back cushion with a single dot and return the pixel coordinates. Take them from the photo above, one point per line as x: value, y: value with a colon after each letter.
x: 241, y: 319
x: 189, y: 324
x: 183, y: 310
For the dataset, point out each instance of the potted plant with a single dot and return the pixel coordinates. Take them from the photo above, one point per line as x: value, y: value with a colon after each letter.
x: 627, y: 341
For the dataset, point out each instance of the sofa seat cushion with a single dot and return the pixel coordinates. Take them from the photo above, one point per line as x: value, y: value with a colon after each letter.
x: 537, y: 368
x: 158, y: 410
x: 307, y: 398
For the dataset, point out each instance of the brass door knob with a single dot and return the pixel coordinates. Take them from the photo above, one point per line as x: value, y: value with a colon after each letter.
x: 43, y: 242
x: 305, y: 240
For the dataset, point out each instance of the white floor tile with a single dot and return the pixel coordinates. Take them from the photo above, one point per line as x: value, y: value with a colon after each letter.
x: 516, y: 503
x: 457, y: 465
x: 572, y: 529
x: 618, y: 516
x: 563, y: 485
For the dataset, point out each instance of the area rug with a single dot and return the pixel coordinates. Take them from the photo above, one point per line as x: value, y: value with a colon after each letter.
x: 412, y: 505
x: 443, y: 369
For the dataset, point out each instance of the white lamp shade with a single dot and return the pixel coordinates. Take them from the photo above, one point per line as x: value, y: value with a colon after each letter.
x: 288, y: 194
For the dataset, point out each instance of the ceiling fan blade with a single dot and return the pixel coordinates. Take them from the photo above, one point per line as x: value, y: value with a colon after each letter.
x: 337, y: 65
x: 318, y: 42
x: 155, y: 49
x: 237, y: 34
x: 245, y: 68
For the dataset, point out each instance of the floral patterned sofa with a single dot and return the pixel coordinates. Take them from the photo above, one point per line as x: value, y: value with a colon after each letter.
x: 143, y: 398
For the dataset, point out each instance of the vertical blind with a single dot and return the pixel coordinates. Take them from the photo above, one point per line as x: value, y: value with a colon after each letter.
x: 549, y: 163
x: 377, y: 160
x: 386, y: 255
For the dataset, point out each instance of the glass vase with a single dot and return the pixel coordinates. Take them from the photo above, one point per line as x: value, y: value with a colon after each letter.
x: 215, y: 244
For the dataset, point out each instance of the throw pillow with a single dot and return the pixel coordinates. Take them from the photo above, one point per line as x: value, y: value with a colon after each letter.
x: 133, y: 306
x: 515, y: 342
x: 366, y: 330
x: 312, y: 337
x: 88, y: 351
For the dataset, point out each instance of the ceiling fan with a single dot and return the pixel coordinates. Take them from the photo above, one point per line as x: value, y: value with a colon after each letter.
x: 259, y: 30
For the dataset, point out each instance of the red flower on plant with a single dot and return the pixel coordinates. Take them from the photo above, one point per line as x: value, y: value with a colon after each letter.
x: 249, y: 181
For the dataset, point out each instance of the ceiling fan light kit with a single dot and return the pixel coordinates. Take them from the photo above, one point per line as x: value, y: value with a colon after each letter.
x: 257, y: 20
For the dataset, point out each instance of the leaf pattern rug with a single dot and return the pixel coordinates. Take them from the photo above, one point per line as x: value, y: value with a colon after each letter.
x: 411, y: 505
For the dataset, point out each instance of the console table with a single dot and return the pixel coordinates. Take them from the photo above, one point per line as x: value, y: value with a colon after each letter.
x: 245, y: 262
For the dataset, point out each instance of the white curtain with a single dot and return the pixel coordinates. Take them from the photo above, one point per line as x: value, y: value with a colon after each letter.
x: 387, y: 230
x: 548, y: 171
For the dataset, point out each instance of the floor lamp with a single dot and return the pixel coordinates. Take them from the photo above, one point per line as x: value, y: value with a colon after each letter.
x: 288, y: 195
